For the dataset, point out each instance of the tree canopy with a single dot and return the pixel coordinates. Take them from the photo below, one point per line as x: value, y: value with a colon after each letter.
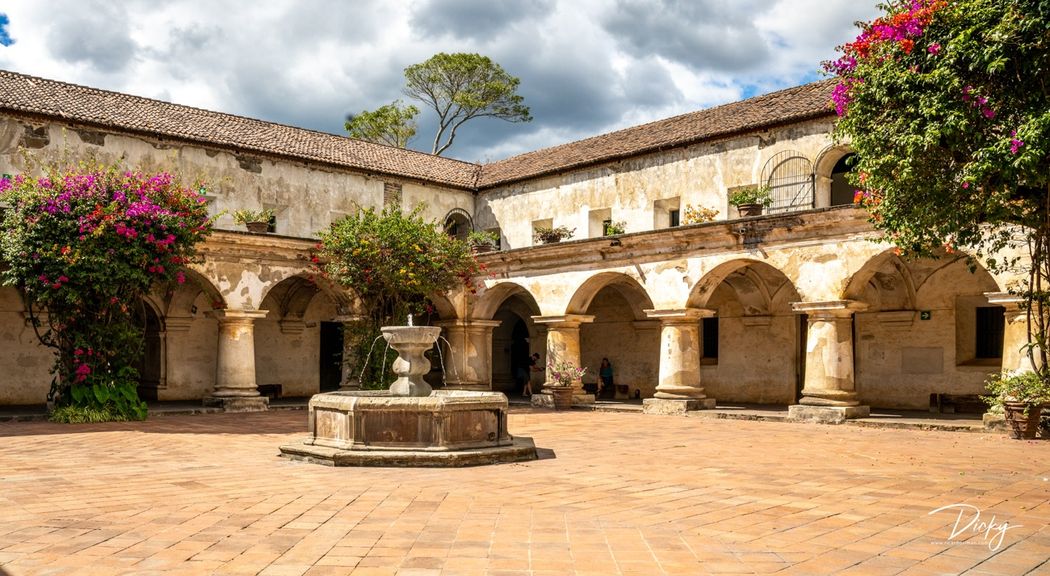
x: 948, y: 108
x: 393, y: 124
x: 458, y: 87
x: 394, y: 261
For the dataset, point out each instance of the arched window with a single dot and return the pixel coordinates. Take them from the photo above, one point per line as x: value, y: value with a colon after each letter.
x: 458, y: 223
x: 841, y: 189
x: 789, y: 176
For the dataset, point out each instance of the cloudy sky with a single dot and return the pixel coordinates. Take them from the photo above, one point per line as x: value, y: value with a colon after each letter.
x: 586, y: 66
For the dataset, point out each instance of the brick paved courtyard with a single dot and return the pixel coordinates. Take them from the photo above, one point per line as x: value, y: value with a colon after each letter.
x: 612, y: 494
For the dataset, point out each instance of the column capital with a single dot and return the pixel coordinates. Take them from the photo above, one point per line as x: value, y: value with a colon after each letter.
x: 680, y: 314
x: 563, y: 321
x: 178, y: 323
x: 829, y: 308
x: 227, y: 315
x: 1005, y: 299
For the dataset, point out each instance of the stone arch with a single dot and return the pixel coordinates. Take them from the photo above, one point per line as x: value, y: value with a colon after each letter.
x: 185, y: 297
x: 493, y: 298
x: 751, y: 347
x: 299, y: 344
x: 616, y: 304
x: 924, y: 329
x: 824, y: 169
x: 458, y: 223
x: 516, y: 337
x: 633, y: 292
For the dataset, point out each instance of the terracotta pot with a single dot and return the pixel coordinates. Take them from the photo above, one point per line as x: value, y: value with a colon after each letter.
x: 1021, y: 426
x: 258, y: 227
x: 749, y: 209
x: 483, y: 248
x: 562, y: 397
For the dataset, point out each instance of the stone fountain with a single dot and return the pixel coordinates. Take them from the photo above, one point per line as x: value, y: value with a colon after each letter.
x: 410, y: 424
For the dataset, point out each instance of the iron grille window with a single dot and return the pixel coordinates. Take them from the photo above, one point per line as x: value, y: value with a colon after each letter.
x: 990, y: 324
x: 789, y: 176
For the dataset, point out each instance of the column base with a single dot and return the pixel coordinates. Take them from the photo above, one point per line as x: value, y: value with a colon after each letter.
x: 677, y: 406
x: 238, y: 403
x: 827, y: 414
x: 546, y: 399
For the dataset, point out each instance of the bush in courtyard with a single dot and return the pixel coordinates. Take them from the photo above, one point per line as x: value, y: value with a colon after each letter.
x: 394, y: 261
x: 83, y: 246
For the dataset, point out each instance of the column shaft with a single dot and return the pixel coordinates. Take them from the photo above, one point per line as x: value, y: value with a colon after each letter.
x: 235, y: 366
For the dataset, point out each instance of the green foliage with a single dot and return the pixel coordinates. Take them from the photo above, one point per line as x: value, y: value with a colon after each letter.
x: 460, y: 87
x: 74, y: 414
x: 393, y: 124
x: 85, y: 244
x: 246, y: 216
x: 614, y: 228
x: 947, y: 107
x: 751, y: 195
x: 393, y: 261
x: 1030, y: 388
x: 482, y: 239
x: 555, y: 234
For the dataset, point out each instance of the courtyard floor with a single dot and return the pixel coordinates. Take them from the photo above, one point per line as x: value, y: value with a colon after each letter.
x: 613, y: 493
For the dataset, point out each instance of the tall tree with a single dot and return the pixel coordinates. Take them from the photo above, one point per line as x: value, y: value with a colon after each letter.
x: 393, y: 124
x: 458, y: 87
x: 948, y: 108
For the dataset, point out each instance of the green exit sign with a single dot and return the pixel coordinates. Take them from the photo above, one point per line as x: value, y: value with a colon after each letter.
x: 925, y: 315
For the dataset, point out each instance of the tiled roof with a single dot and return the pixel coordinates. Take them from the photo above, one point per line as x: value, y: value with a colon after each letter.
x: 91, y: 106
x: 81, y: 104
x: 791, y: 105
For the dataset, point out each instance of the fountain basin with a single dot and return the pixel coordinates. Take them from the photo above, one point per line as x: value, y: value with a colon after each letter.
x: 376, y: 428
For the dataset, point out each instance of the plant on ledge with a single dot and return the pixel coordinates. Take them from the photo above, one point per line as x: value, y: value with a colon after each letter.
x: 751, y: 196
x: 551, y: 235
x: 615, y: 228
x: 698, y: 215
x: 84, y: 246
x: 257, y: 221
x: 482, y: 241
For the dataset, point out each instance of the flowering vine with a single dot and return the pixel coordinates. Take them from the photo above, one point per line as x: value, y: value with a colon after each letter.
x: 85, y: 245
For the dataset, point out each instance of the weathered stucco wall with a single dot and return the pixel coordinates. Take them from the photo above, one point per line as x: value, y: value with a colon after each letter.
x: 639, y: 191
x: 305, y: 198
x: 25, y: 362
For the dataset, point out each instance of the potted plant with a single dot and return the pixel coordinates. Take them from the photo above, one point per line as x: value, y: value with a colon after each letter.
x: 564, y: 376
x: 1021, y: 396
x: 257, y: 221
x: 552, y: 235
x: 614, y: 228
x: 698, y: 215
x: 482, y: 241
x: 750, y: 200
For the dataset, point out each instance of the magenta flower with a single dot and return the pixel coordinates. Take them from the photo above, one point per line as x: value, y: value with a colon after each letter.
x: 934, y: 49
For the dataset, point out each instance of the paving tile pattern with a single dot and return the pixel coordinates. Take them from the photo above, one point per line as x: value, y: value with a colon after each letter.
x: 614, y: 493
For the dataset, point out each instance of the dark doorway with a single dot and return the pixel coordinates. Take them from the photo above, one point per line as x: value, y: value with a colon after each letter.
x: 149, y: 364
x: 841, y: 189
x: 519, y: 355
x: 803, y: 333
x: 331, y: 356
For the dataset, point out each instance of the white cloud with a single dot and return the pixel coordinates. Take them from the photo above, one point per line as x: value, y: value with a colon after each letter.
x: 586, y: 66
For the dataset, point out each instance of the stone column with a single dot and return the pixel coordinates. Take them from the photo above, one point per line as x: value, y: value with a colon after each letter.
x: 468, y: 360
x: 678, y: 388
x: 235, y: 386
x: 1015, y: 332
x: 829, y: 393
x: 563, y: 345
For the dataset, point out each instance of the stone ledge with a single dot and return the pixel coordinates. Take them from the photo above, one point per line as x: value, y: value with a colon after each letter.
x: 521, y: 450
x: 546, y: 400
x: 238, y: 403
x: 827, y: 414
x: 676, y: 407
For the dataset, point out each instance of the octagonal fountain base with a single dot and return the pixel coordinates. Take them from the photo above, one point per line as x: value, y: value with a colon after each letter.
x: 375, y: 428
